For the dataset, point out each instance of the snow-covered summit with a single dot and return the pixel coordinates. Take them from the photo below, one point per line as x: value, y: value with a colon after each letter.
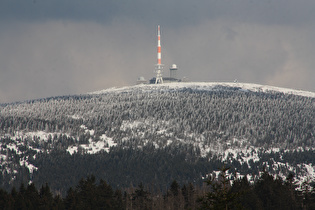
x: 207, y: 86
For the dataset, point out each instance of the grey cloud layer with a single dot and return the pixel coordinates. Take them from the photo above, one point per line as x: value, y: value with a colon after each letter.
x: 173, y: 13
x: 63, y: 47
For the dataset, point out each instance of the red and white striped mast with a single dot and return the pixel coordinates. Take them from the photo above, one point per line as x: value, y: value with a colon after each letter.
x: 159, y: 65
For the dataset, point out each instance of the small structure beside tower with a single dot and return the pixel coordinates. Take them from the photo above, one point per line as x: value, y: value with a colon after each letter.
x: 173, y: 71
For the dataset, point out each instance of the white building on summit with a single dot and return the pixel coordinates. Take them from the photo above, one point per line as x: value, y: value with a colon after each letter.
x: 141, y: 80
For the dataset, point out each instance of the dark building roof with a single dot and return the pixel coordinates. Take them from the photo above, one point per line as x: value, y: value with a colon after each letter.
x: 165, y: 79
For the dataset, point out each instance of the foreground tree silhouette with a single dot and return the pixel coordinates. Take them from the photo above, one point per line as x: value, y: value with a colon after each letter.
x: 89, y: 195
x: 220, y: 195
x: 141, y: 198
x: 46, y: 196
x: 245, y: 194
x: 174, y: 196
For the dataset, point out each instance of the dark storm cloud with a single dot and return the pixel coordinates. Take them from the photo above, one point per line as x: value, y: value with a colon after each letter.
x: 173, y: 13
x: 74, y: 46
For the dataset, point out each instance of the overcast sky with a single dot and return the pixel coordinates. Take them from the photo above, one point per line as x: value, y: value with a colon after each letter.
x: 61, y: 47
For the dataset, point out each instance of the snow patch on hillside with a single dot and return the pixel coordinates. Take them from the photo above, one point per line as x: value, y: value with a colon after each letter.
x: 309, y: 171
x: 76, y: 117
x: 125, y: 125
x: 30, y: 167
x: 86, y: 130
x: 34, y: 135
x: 103, y: 144
x: 93, y: 147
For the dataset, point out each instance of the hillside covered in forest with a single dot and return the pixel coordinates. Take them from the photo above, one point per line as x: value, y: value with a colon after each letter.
x: 158, y: 133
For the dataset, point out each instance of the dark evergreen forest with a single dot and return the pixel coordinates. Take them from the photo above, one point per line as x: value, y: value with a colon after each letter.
x: 216, y: 193
x: 127, y: 167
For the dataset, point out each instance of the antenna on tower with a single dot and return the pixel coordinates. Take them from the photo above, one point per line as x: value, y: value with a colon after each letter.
x: 159, y: 65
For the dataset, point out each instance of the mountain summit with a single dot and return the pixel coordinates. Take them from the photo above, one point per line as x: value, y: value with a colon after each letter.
x: 157, y: 133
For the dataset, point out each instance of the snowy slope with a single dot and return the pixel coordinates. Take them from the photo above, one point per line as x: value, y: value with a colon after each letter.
x: 231, y: 122
x: 207, y: 86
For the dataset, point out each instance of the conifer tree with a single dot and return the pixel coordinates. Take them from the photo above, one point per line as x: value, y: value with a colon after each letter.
x: 220, y: 195
x: 46, y: 197
x: 141, y: 198
x: 3, y: 198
